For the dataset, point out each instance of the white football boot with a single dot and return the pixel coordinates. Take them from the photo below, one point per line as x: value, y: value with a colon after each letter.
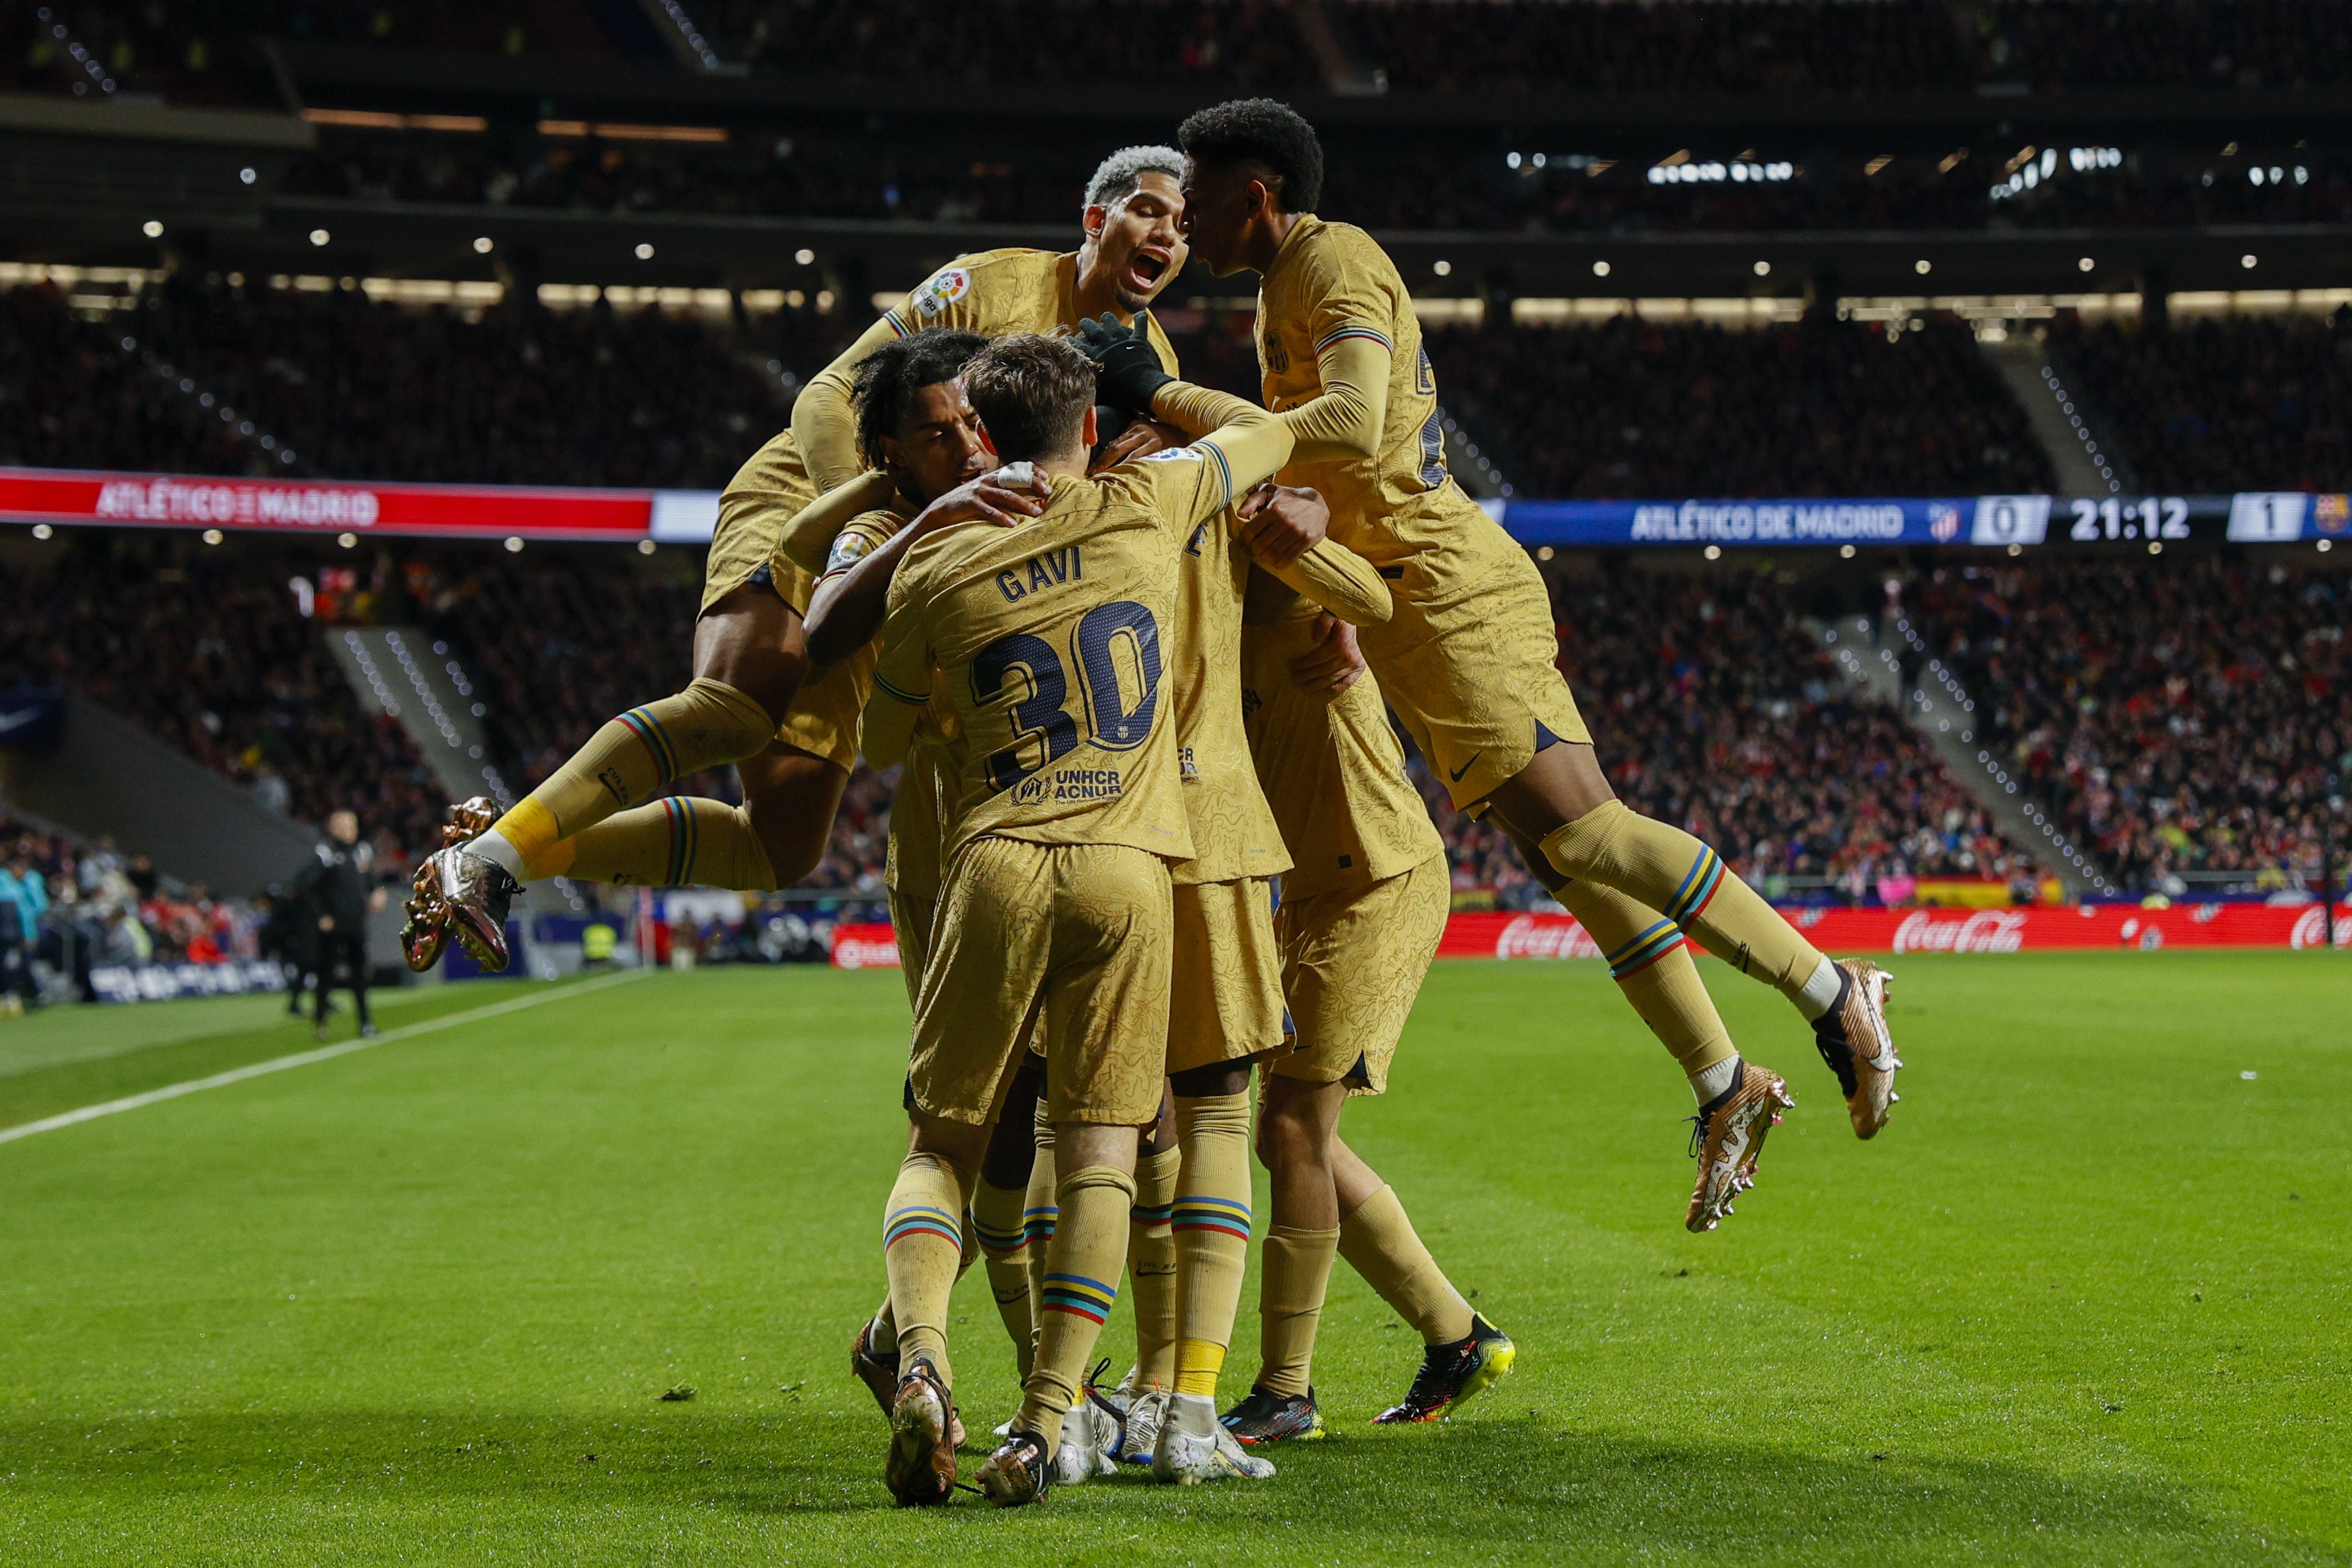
x: 1194, y: 1447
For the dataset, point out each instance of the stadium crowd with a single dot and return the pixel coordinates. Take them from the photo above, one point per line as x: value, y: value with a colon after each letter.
x: 69, y: 908
x: 1633, y: 409
x: 215, y: 657
x: 1713, y: 708
x: 2181, y: 720
x: 2215, y: 404
x: 228, y: 376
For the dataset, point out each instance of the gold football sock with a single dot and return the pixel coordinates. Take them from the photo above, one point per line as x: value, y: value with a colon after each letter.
x: 1038, y: 1210
x: 1380, y: 1243
x: 1004, y: 1251
x: 1211, y: 1224
x: 1655, y: 970
x: 1152, y: 1268
x: 1298, y: 1270
x: 1081, y: 1283
x: 1688, y: 884
x: 922, y: 1246
x: 678, y: 841
x: 708, y: 725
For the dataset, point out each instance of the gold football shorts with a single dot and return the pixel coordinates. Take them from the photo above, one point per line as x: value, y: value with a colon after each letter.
x: 1076, y: 933
x: 1226, y: 985
x: 1352, y: 963
x: 910, y: 923
x: 1472, y: 668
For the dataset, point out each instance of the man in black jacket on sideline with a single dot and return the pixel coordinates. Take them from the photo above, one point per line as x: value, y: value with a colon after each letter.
x: 337, y: 892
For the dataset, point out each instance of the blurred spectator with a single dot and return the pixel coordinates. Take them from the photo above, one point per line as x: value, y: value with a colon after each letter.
x: 1640, y: 409
x: 2180, y: 720
x: 64, y: 910
x: 2216, y: 404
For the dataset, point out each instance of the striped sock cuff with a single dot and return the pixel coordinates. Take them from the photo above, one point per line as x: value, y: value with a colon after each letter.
x: 1698, y: 886
x: 684, y: 839
x: 1038, y: 1224
x: 921, y: 1220
x: 650, y: 734
x: 999, y: 1243
x: 1079, y: 1296
x: 1647, y: 948
x: 1200, y: 1213
x: 1151, y: 1215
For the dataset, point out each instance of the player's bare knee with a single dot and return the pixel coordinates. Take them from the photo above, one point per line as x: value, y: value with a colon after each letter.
x: 751, y: 639
x: 1215, y: 1081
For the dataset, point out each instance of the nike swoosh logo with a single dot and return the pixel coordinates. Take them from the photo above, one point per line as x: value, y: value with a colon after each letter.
x: 1455, y: 776
x: 18, y: 719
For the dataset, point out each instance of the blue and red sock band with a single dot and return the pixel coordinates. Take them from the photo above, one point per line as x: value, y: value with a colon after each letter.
x: 921, y: 1220
x: 1194, y: 1213
x: 650, y: 734
x: 1698, y: 886
x: 1079, y: 1296
x: 1646, y: 949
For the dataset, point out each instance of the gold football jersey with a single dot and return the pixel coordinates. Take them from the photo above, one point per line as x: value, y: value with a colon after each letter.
x: 1050, y: 640
x: 1333, y: 772
x: 1331, y: 282
x: 1233, y: 833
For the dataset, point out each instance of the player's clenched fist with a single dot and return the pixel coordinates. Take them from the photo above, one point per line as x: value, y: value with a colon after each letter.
x: 1282, y: 522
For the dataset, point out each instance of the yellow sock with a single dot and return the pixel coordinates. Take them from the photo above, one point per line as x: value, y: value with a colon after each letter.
x: 922, y: 1246
x: 708, y: 725
x: 1211, y: 1224
x: 1038, y: 1208
x: 1005, y: 1251
x: 1081, y: 1283
x: 678, y: 841
x: 1297, y: 1271
x: 1652, y: 967
x: 1151, y: 1268
x: 1380, y: 1243
x: 1688, y: 884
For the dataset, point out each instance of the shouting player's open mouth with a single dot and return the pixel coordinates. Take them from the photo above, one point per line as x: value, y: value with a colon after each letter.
x: 1146, y: 267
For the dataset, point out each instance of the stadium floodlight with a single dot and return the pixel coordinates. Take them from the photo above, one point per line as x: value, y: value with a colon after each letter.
x: 1846, y: 552
x: 214, y: 535
x: 318, y: 236
x: 482, y: 245
x: 247, y: 175
x: 1763, y: 269
x: 349, y: 541
x: 1442, y: 268
x: 514, y: 544
x: 645, y: 252
x: 43, y: 531
x: 1923, y: 267
x: 2086, y: 265
x: 804, y: 255
x: 1600, y: 269
x: 151, y: 229
x: 2247, y: 261
x: 644, y: 547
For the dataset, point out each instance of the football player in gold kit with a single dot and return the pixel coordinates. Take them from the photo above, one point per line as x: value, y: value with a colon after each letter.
x: 1047, y: 639
x: 792, y: 740
x: 1469, y: 661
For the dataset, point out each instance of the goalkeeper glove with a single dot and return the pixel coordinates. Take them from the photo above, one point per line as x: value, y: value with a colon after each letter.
x: 1129, y: 366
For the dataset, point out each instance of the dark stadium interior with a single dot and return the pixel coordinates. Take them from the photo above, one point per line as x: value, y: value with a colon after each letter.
x: 1671, y: 250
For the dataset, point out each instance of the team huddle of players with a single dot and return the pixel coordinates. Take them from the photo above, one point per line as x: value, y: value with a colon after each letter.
x: 1134, y: 645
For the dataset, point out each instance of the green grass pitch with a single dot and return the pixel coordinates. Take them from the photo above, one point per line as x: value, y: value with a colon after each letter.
x: 2084, y: 1302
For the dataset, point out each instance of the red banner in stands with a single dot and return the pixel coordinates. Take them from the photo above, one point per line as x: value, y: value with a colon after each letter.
x: 2085, y: 929
x: 322, y: 506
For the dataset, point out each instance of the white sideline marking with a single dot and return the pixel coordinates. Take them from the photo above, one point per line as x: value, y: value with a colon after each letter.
x: 304, y: 1058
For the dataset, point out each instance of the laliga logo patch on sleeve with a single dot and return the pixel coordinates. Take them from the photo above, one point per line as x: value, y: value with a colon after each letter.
x: 1173, y: 454
x: 847, y: 551
x: 943, y: 290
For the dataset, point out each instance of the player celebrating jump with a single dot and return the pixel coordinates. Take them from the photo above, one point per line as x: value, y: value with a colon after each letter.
x: 1469, y: 660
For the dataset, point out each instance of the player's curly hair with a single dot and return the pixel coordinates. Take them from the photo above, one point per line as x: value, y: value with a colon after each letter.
x: 883, y: 385
x: 1271, y: 137
x: 1032, y: 393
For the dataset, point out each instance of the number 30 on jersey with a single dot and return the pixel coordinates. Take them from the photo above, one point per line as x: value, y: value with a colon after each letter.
x: 1116, y: 647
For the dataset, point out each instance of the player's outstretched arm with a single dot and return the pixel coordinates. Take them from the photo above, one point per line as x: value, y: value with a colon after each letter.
x: 1342, y: 423
x: 825, y: 427
x: 847, y: 607
x: 808, y: 535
